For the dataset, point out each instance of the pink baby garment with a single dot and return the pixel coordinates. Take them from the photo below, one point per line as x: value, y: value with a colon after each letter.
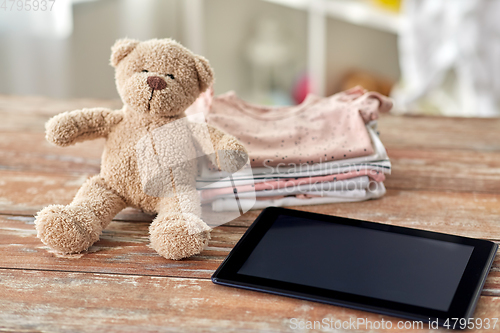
x: 318, y: 130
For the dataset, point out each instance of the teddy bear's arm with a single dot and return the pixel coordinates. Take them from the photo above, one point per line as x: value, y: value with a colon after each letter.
x: 230, y: 155
x: 70, y: 127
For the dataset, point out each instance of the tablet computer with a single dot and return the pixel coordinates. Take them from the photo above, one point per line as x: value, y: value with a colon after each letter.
x: 410, y: 273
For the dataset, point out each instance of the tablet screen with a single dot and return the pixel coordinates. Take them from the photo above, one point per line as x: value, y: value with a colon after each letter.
x: 389, y: 266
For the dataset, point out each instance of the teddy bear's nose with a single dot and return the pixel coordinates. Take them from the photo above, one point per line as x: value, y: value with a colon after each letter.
x: 156, y: 82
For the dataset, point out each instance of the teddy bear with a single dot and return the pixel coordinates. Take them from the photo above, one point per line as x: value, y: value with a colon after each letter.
x: 150, y: 155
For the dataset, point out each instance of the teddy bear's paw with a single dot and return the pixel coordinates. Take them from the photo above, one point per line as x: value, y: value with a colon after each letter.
x: 67, y: 229
x: 232, y: 154
x: 61, y: 130
x: 177, y: 236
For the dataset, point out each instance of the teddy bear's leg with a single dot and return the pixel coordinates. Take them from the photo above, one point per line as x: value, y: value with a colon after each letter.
x: 178, y: 231
x: 75, y: 227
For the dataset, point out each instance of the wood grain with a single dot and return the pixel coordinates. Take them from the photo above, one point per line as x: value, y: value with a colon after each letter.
x: 124, y: 249
x: 47, y: 107
x: 28, y: 151
x: 83, y: 302
x: 446, y: 178
x: 444, y: 170
x: 413, y: 169
x: 465, y: 213
x: 418, y: 132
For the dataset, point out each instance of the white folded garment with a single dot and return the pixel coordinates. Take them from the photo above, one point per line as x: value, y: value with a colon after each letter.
x: 223, y: 204
x: 339, y: 186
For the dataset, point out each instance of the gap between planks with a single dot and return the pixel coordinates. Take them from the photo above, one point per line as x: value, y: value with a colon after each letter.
x: 110, y: 273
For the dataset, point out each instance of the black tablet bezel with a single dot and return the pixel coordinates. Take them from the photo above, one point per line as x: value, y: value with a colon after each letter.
x: 462, y: 305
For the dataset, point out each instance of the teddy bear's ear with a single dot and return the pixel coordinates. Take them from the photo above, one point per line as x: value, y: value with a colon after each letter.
x: 205, y: 73
x: 121, y: 49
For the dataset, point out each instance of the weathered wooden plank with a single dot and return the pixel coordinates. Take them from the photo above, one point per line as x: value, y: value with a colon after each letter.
x: 440, y: 132
x: 396, y: 131
x: 468, y: 214
x: 419, y: 163
x: 124, y: 249
x: 413, y: 169
x: 25, y: 193
x: 431, y: 156
x: 28, y: 151
x: 34, y: 106
x: 465, y: 214
x: 444, y: 170
x: 29, y: 113
x: 60, y: 301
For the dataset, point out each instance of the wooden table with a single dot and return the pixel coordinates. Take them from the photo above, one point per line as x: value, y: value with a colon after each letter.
x: 446, y: 178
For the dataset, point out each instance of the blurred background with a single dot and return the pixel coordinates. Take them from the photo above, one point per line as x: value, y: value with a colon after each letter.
x: 437, y: 57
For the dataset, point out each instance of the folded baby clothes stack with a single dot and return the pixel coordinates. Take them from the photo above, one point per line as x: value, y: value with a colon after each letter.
x: 324, y: 150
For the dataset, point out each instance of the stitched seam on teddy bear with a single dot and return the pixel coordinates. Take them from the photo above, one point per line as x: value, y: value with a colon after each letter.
x: 82, y: 229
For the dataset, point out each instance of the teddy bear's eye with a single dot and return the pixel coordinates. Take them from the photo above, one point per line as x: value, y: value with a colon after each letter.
x: 145, y: 71
x: 171, y: 76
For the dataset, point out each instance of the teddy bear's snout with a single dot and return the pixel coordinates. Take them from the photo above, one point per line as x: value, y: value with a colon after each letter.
x: 156, y: 82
